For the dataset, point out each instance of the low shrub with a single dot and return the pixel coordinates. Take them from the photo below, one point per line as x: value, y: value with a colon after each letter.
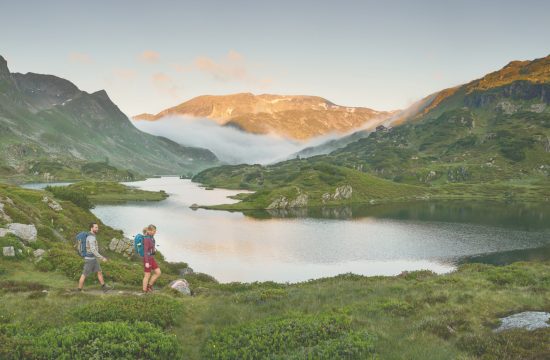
x: 274, y: 336
x: 86, y: 340
x: 21, y: 286
x: 76, y: 197
x: 261, y: 296
x: 159, y: 310
x: 353, y: 345
x: 397, y: 307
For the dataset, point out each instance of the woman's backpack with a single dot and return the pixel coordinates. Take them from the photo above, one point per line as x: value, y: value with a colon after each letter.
x: 138, y: 244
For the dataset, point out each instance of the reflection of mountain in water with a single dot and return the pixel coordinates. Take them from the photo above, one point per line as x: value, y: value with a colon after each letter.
x: 338, y: 212
x: 517, y: 216
x: 508, y: 257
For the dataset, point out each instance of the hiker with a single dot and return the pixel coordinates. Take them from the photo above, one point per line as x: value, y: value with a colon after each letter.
x: 91, y: 256
x: 149, y: 262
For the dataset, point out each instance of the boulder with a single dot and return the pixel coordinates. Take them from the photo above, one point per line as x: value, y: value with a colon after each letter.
x: 38, y: 253
x: 54, y: 205
x: 529, y: 320
x: 185, y: 271
x: 8, y: 251
x: 23, y: 231
x: 4, y: 232
x: 122, y: 246
x: 181, y: 285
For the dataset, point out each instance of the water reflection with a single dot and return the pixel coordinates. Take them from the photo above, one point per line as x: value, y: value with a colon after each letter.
x: 519, y: 216
x: 297, y: 245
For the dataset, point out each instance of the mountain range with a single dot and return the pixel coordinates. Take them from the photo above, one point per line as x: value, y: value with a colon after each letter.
x: 489, y: 138
x: 49, y: 127
x: 296, y: 117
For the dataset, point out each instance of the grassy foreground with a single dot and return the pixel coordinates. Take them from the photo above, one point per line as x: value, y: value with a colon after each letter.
x: 417, y: 315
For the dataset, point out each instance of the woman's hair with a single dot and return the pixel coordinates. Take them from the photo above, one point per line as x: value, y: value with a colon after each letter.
x: 149, y: 228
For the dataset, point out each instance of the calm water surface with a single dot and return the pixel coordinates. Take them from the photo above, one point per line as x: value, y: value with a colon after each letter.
x: 302, y: 245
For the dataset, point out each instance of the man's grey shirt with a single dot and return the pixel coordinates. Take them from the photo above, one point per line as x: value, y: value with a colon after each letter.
x: 91, y: 247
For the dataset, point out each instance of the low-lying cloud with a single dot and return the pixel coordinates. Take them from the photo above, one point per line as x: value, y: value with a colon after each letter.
x: 230, y: 145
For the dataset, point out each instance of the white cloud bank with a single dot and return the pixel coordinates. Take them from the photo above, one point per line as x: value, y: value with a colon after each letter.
x: 229, y: 144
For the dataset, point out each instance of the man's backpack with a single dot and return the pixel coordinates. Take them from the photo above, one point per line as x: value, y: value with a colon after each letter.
x: 81, y: 243
x: 138, y: 244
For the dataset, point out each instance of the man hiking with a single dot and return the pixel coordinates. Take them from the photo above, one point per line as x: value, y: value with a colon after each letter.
x: 91, y: 259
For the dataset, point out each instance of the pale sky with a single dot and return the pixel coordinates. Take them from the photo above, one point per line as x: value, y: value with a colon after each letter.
x: 150, y: 55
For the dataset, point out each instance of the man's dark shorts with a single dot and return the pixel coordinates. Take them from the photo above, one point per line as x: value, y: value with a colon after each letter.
x: 91, y: 266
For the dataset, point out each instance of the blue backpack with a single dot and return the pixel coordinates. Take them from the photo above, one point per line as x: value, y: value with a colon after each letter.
x: 81, y: 243
x: 138, y: 244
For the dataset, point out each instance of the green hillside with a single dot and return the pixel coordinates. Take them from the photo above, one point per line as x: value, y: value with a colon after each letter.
x: 477, y: 141
x: 51, y: 130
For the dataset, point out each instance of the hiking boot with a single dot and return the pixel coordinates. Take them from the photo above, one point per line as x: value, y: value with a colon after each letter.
x: 106, y: 288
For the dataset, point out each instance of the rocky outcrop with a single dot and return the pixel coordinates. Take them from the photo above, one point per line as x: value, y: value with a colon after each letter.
x: 122, y: 246
x: 54, y: 205
x: 343, y: 192
x: 25, y: 232
x: 282, y: 202
x: 181, y: 286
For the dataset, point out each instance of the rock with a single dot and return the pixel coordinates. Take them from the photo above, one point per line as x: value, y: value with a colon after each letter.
x: 185, y: 271
x: 38, y: 253
x: 54, y: 205
x: 23, y: 231
x: 431, y: 175
x: 300, y: 201
x: 181, y: 285
x: 507, y: 107
x: 343, y: 192
x: 122, y: 246
x: 8, y: 251
x: 529, y: 320
x: 194, y: 206
x: 4, y: 232
x: 538, y: 108
x: 280, y: 203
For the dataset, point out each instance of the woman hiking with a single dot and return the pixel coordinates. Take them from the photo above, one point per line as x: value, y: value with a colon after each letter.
x: 149, y: 262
